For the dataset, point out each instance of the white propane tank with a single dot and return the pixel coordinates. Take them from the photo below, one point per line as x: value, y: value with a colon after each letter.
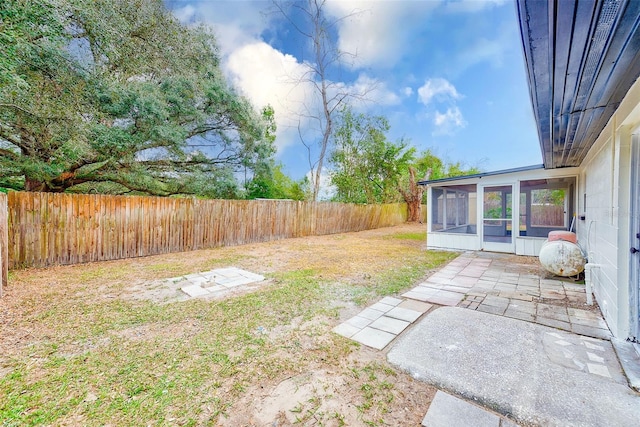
x: 562, y: 258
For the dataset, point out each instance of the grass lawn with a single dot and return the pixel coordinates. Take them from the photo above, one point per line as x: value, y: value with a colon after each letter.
x: 91, y: 344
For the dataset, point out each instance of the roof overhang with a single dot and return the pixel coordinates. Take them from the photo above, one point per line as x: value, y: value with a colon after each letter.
x: 506, y: 176
x: 581, y: 59
x: 482, y: 174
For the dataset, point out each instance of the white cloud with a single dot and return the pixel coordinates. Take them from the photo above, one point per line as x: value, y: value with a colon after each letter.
x: 408, y: 91
x: 485, y: 50
x: 235, y: 24
x: 448, y: 122
x: 378, y: 32
x: 267, y: 76
x: 372, y: 91
x: 185, y: 14
x: 437, y: 89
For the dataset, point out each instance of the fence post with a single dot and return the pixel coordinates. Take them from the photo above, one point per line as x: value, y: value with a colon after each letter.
x: 4, y: 242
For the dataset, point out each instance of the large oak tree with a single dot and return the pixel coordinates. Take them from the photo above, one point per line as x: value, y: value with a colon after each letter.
x: 117, y: 96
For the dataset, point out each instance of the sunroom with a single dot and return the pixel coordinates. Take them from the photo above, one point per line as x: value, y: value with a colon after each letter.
x: 480, y: 212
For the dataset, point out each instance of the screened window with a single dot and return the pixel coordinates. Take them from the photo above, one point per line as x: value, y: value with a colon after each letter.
x: 546, y: 205
x: 453, y: 209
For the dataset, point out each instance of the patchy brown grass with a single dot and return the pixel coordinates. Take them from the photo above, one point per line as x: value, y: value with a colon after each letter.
x: 98, y: 344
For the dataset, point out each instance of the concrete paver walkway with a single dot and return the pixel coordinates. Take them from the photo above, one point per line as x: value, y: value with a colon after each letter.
x: 483, y: 282
x: 379, y: 324
x: 508, y: 339
x: 487, y: 282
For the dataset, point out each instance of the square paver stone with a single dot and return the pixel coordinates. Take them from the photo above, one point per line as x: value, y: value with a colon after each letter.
x: 374, y: 338
x: 198, y: 280
x: 447, y: 411
x: 446, y: 298
x: 591, y: 332
x: 420, y: 306
x: 381, y: 307
x: 193, y: 276
x: 227, y: 270
x: 252, y: 276
x: 421, y: 293
x: 229, y: 280
x: 358, y: 321
x: 346, y: 330
x: 415, y: 295
x: 214, y: 288
x: 404, y: 314
x: 194, y: 290
x: 238, y: 281
x: 389, y: 324
x: 370, y: 313
x: 390, y: 301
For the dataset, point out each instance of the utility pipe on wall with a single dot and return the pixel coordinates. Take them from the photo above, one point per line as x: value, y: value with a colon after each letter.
x: 588, y: 279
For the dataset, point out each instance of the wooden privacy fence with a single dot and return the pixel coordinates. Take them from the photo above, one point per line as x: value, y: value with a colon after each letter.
x: 548, y: 215
x: 49, y: 229
x: 4, y: 242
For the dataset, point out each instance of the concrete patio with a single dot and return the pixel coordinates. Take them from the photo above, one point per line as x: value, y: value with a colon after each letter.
x: 505, y: 343
x: 487, y: 282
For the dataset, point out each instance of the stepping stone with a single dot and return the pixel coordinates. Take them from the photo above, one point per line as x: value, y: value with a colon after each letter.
x: 235, y: 281
x: 370, y: 313
x: 252, y: 276
x: 197, y: 280
x: 346, y: 330
x: 194, y: 290
x: 214, y: 288
x: 207, y: 282
x: 404, y: 314
x: 422, y: 307
x: 388, y: 324
x: 374, y: 338
x: 391, y: 301
x: 358, y: 322
x: 446, y: 411
x: 382, y: 307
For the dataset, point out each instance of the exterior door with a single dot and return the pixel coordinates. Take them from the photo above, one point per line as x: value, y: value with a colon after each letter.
x: 634, y: 267
x: 497, y: 219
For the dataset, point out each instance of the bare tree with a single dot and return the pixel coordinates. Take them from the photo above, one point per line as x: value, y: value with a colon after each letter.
x: 319, y: 30
x: 413, y: 195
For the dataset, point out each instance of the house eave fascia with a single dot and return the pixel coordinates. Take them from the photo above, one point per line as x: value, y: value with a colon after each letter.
x: 482, y: 174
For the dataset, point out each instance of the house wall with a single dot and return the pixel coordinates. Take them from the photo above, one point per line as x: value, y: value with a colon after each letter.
x: 529, y: 246
x: 456, y: 241
x: 604, y: 200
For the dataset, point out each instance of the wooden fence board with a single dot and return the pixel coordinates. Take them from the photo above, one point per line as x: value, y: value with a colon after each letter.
x: 47, y: 229
x: 4, y: 242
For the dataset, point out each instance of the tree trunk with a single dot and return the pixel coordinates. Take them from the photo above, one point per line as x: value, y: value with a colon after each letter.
x: 34, y: 185
x: 414, y: 210
x: 413, y: 197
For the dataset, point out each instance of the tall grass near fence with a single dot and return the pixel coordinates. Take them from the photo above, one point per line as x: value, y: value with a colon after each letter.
x: 47, y: 229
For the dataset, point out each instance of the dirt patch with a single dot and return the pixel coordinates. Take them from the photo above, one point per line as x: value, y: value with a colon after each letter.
x: 317, y: 398
x: 106, y: 312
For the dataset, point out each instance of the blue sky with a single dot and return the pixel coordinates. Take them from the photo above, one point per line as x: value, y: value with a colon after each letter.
x: 449, y: 75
